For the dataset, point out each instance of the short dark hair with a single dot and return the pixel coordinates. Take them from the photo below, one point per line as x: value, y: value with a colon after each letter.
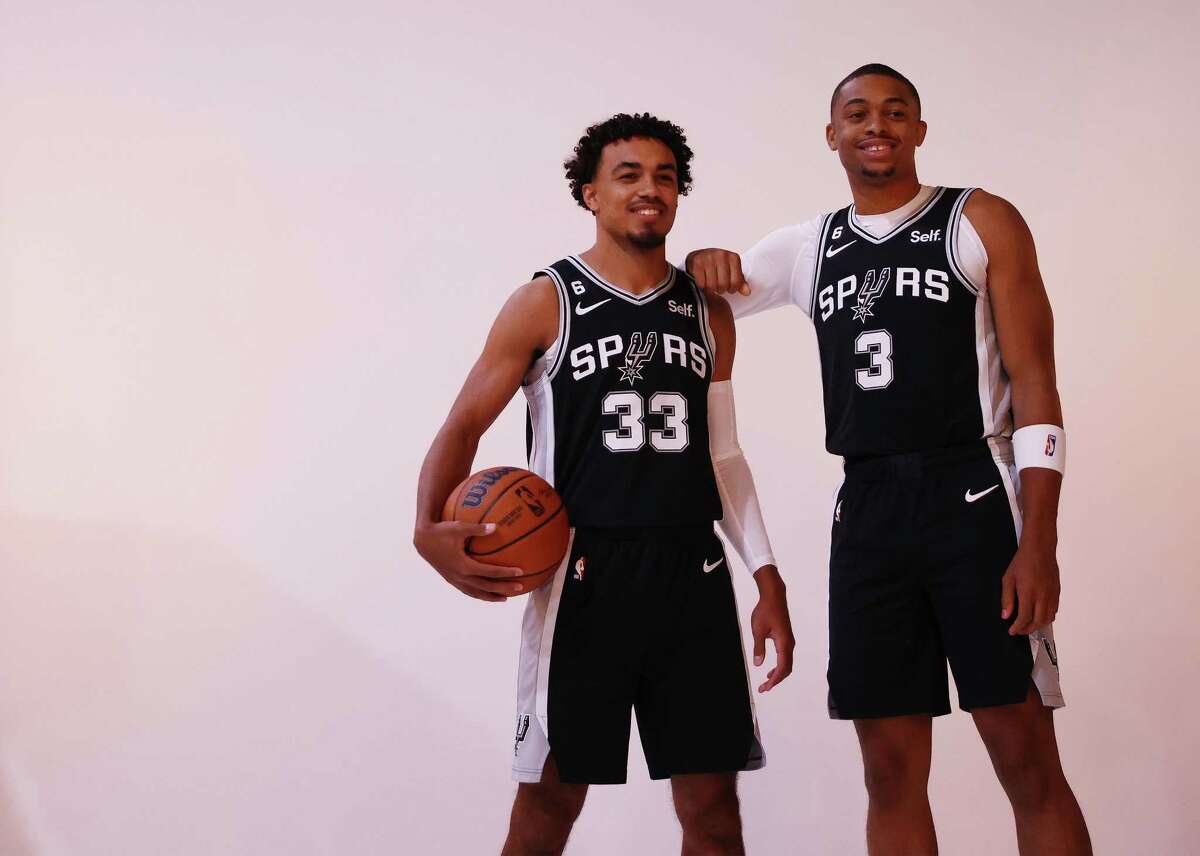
x: 581, y: 166
x: 875, y: 68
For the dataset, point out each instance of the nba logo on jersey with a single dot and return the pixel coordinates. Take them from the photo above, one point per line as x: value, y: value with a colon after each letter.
x: 579, y: 566
x: 1051, y: 442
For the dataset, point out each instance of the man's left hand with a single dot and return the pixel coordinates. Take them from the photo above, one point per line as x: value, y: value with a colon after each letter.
x: 1032, y: 580
x: 770, y: 620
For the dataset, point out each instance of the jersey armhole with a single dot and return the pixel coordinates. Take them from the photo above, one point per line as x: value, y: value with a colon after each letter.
x: 553, y: 357
x: 818, y: 258
x: 706, y: 333
x: 952, y: 236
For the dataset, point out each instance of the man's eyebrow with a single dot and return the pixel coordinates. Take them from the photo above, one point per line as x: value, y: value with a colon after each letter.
x: 627, y: 165
x: 670, y: 166
x: 885, y: 101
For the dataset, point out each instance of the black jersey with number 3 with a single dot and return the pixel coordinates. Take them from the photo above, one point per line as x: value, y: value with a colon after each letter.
x: 618, y: 407
x: 908, y: 349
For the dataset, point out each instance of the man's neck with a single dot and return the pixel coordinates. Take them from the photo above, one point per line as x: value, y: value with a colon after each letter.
x: 635, y: 269
x: 879, y: 197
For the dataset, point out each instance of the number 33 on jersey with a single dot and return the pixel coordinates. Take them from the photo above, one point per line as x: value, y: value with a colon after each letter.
x: 908, y: 346
x: 618, y: 406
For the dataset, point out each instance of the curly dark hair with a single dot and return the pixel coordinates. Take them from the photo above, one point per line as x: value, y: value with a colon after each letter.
x: 581, y: 166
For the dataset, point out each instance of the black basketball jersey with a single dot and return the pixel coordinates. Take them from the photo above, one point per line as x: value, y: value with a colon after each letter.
x: 618, y: 406
x: 908, y: 349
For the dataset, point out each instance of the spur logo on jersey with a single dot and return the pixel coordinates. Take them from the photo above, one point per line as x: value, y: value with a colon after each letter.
x: 638, y: 354
x: 870, y: 292
x: 588, y: 358
x: 930, y: 284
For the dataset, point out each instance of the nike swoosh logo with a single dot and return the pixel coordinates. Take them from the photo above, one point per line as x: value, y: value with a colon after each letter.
x: 971, y: 497
x: 831, y: 252
x: 708, y: 569
x: 580, y: 309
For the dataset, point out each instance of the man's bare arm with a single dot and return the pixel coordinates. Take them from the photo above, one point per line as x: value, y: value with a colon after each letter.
x: 526, y: 326
x: 1025, y: 332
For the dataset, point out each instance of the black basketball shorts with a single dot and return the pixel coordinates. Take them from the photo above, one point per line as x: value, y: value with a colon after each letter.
x: 919, y: 545
x: 635, y: 619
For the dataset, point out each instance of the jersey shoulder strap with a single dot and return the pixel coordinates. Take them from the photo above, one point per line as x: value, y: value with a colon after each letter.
x: 961, y: 195
x: 558, y: 272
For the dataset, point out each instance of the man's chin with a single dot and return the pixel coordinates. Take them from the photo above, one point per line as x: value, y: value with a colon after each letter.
x: 647, y: 240
x: 878, y: 173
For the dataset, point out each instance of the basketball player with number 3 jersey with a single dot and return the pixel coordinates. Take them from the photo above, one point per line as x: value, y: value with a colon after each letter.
x: 937, y: 364
x: 626, y: 367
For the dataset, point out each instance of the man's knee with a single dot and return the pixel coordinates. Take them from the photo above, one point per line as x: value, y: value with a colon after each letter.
x: 707, y: 806
x: 543, y: 816
x: 892, y: 772
x: 896, y: 756
x: 1027, y: 767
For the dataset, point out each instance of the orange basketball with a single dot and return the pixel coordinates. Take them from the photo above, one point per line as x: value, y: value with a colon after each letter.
x: 531, y: 523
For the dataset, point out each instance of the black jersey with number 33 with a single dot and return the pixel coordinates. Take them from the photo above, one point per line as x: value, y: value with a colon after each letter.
x: 618, y: 407
x: 908, y: 349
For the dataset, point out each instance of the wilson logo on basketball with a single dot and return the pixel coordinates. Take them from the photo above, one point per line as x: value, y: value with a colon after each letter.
x: 476, y: 492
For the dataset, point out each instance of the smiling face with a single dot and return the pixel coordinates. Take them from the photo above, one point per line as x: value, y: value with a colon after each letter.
x: 635, y: 191
x: 875, y: 128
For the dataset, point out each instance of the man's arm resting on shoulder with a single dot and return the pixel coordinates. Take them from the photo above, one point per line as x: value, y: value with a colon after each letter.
x: 742, y: 521
x: 762, y: 277
x: 526, y: 325
x: 1025, y: 332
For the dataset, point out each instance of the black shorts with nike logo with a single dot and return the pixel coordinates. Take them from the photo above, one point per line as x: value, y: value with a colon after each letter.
x: 641, y: 619
x: 919, y: 545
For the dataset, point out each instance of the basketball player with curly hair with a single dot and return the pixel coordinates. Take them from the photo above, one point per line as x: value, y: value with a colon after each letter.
x: 626, y: 367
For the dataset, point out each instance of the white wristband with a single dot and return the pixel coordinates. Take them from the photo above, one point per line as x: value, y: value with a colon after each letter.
x: 1040, y: 446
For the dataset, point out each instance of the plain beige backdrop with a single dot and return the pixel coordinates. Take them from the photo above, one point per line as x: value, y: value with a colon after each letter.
x: 248, y: 252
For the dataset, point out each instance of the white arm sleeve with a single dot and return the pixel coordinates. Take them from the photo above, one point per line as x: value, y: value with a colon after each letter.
x: 779, y: 269
x: 742, y: 522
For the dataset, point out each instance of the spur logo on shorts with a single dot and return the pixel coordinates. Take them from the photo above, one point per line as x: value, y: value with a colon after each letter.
x: 522, y: 730
x: 579, y: 568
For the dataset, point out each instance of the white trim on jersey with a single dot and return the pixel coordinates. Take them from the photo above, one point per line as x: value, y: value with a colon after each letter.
x: 539, y: 397
x: 816, y: 280
x: 710, y: 341
x: 556, y: 351
x: 533, y: 674
x: 916, y: 215
x: 759, y: 760
x: 636, y: 299
x: 952, y: 243
x: 995, y: 392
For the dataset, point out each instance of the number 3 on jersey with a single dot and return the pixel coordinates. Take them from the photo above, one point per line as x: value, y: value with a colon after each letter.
x: 630, y: 409
x: 878, y: 344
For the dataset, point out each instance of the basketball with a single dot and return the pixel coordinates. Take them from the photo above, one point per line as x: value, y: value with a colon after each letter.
x: 531, y: 523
